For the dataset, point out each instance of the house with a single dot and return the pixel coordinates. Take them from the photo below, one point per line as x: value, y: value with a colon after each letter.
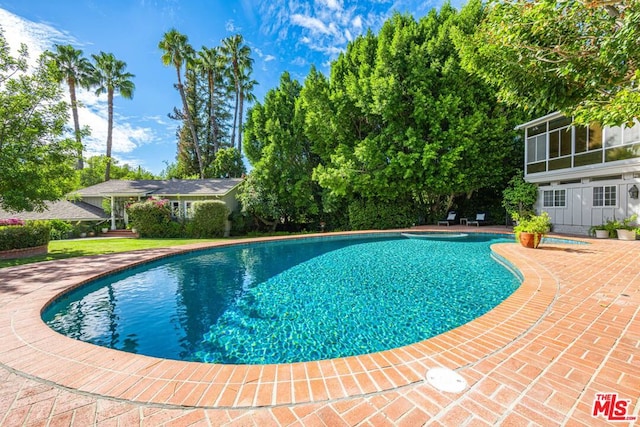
x: 106, y: 201
x: 113, y: 195
x: 585, y: 175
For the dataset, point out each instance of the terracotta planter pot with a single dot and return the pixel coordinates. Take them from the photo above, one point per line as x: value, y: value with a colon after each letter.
x: 626, y: 234
x: 530, y: 240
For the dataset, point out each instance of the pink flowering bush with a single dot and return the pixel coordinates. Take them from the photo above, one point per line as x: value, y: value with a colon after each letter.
x: 11, y: 221
x: 152, y: 218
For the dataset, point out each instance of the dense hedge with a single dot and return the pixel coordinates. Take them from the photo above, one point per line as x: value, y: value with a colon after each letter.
x: 152, y: 218
x: 379, y: 215
x: 30, y: 235
x: 209, y: 219
x: 60, y: 229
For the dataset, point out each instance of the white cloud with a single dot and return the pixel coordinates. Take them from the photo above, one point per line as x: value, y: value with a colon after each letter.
x: 37, y: 36
x: 347, y: 35
x: 312, y: 24
x: 331, y: 4
x: 299, y: 62
x: 357, y: 22
x: 324, y: 26
x: 231, y: 27
x: 269, y: 58
x: 93, y: 110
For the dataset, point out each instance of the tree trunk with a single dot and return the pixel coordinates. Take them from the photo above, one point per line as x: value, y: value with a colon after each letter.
x: 235, y: 118
x: 76, y: 122
x: 240, y: 124
x: 212, y: 113
x: 107, y: 170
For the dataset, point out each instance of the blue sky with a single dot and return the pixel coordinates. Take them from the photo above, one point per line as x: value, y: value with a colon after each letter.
x: 284, y: 35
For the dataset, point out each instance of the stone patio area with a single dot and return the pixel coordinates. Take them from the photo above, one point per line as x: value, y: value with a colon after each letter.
x: 571, y: 331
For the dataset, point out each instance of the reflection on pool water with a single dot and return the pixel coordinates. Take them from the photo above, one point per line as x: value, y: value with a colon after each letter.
x: 289, y: 301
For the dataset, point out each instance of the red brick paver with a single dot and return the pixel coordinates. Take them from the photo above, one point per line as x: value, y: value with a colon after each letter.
x: 570, y: 331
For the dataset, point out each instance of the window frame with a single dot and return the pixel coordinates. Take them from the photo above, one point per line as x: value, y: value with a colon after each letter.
x: 554, y: 198
x: 607, y: 197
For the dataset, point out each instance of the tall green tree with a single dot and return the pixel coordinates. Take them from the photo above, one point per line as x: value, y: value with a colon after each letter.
x: 211, y: 65
x: 36, y: 160
x: 240, y: 63
x: 227, y: 164
x: 247, y: 84
x: 110, y: 77
x: 74, y: 70
x: 178, y: 52
x: 197, y: 102
x: 580, y: 57
x: 280, y: 187
x: 413, y: 126
x: 95, y: 167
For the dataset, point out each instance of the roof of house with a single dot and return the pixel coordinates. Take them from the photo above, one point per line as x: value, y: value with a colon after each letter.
x: 168, y: 187
x: 61, y: 209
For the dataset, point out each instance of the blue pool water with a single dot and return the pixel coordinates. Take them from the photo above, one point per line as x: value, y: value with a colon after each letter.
x: 289, y: 301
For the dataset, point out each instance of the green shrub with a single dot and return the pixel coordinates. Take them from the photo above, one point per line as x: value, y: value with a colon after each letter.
x: 241, y: 223
x: 372, y: 214
x: 60, y: 229
x: 152, y: 218
x: 32, y: 234
x: 209, y: 219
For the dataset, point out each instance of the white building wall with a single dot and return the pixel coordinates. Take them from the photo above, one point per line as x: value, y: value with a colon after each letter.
x: 579, y: 214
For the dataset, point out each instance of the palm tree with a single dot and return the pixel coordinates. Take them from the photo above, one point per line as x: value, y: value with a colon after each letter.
x: 237, y: 54
x: 246, y: 93
x: 74, y: 70
x: 109, y: 77
x: 210, y: 63
x: 178, y: 52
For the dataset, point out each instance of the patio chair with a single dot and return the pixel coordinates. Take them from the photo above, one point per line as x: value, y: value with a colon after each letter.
x: 482, y: 218
x: 452, y: 217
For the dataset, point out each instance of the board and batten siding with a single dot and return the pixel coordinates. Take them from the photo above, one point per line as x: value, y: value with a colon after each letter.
x: 579, y: 213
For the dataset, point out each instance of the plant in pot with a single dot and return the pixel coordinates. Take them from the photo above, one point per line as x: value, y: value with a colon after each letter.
x: 603, y: 231
x: 530, y: 229
x: 625, y: 230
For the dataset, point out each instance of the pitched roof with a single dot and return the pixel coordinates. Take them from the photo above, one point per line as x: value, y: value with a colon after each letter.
x: 167, y: 187
x: 61, y: 209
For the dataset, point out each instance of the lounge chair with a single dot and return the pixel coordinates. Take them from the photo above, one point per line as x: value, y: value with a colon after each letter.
x: 481, y: 219
x: 452, y: 217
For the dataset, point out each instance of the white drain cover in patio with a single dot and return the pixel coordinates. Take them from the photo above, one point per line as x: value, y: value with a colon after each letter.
x: 444, y: 379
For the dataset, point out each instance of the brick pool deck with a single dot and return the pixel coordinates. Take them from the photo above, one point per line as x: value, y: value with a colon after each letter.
x: 572, y: 330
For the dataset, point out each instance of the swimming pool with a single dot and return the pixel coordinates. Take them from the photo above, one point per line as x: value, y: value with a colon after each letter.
x: 288, y: 301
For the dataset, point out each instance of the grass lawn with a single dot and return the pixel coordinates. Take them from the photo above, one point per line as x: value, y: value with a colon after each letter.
x: 60, y: 249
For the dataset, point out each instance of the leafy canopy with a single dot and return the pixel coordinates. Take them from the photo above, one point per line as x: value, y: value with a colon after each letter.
x: 36, y: 160
x: 579, y: 57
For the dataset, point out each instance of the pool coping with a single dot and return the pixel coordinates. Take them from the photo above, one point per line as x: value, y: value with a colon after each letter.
x: 32, y: 349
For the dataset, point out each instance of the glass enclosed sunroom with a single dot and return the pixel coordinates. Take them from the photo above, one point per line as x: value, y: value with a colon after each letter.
x: 585, y: 174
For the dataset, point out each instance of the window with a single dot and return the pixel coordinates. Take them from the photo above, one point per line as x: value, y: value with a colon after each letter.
x: 631, y: 134
x: 613, y: 136
x: 588, y: 138
x: 187, y: 209
x: 554, y: 198
x: 604, y: 196
x: 537, y: 148
x: 175, y: 209
x: 560, y: 143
